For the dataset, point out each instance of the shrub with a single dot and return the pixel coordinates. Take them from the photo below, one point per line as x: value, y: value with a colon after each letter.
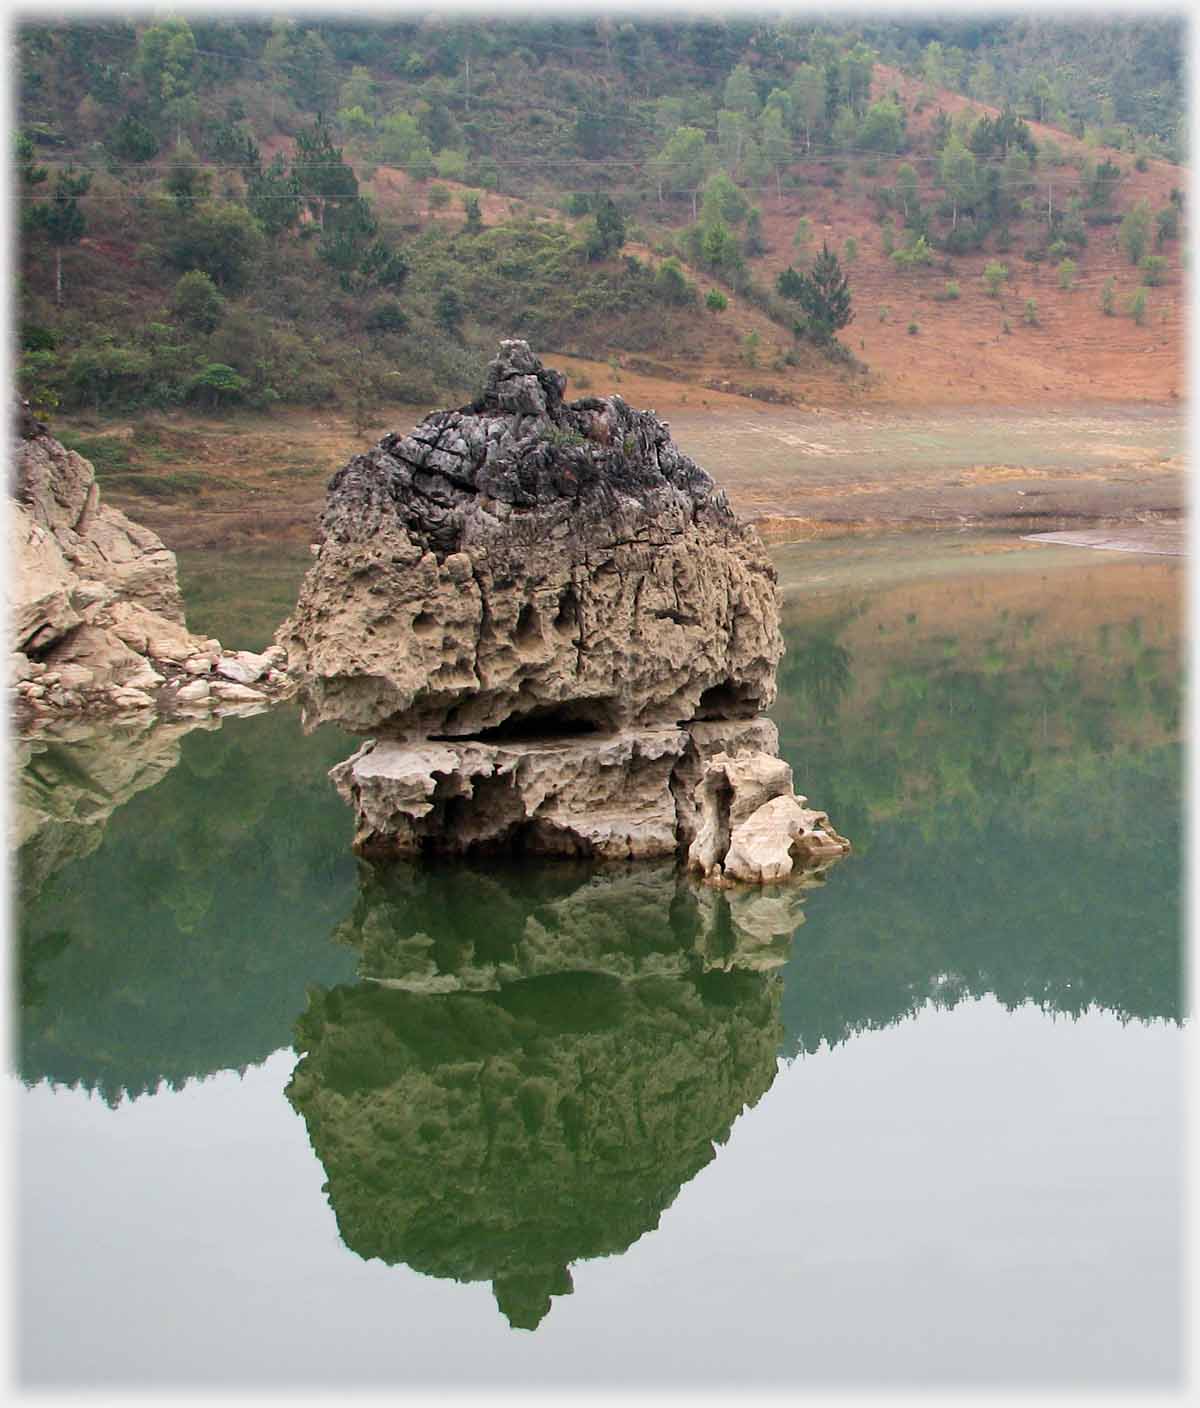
x: 217, y: 383
x: 913, y: 329
x: 196, y: 302
x: 1166, y: 224
x: 1108, y: 296
x: 994, y: 276
x: 952, y: 291
x: 884, y: 311
x: 220, y: 239
x: 1135, y: 231
x: 1154, y: 270
x: 1066, y: 274
x: 918, y: 252
x: 448, y: 310
x: 439, y: 197
x: 386, y: 317
x: 451, y: 165
x: 1141, y: 164
x: 750, y: 344
x: 851, y: 250
x: 1006, y: 327
x: 671, y: 285
x: 1030, y: 314
x: 715, y: 301
x: 1137, y: 306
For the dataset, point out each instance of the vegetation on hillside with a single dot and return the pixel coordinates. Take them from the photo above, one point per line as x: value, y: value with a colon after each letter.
x: 227, y: 212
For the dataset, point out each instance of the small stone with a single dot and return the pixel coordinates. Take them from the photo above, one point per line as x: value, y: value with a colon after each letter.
x: 200, y: 664
x: 194, y: 693
x: 242, y: 667
x: 145, y: 679
x: 237, y: 694
x: 126, y: 698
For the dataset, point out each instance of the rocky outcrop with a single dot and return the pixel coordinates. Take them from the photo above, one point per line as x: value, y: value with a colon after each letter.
x: 524, y: 560
x: 96, y: 618
x: 554, y: 625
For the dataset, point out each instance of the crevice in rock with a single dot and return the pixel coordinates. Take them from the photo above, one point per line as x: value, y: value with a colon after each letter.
x: 728, y: 700
x: 573, y: 720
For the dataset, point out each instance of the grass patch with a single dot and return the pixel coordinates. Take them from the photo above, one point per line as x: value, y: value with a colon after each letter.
x: 179, y: 484
x: 109, y: 454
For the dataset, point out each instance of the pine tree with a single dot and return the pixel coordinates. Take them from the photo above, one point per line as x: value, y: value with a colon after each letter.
x: 823, y: 294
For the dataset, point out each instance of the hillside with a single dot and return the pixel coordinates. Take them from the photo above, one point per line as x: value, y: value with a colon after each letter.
x: 229, y: 216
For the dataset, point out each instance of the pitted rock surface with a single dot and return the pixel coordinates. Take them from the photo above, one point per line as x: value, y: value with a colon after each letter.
x: 529, y: 561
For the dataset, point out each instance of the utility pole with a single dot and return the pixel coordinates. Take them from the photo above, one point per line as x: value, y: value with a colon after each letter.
x: 1050, y: 206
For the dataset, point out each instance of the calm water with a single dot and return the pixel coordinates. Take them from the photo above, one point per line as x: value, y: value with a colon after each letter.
x: 287, y: 1120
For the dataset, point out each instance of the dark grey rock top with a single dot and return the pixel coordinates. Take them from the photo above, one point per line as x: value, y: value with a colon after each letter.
x: 520, y: 449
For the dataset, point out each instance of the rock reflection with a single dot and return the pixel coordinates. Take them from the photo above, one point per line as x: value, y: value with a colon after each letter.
x: 537, y: 1065
x: 70, y: 777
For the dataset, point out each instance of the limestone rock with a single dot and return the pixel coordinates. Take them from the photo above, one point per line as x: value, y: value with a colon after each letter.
x: 58, y: 490
x: 243, y: 667
x: 194, y: 693
x: 237, y: 694
x: 40, y: 582
x: 561, y: 634
x: 632, y: 794
x: 606, y: 796
x: 752, y: 826
x: 94, y: 596
x: 765, y: 845
x: 525, y: 559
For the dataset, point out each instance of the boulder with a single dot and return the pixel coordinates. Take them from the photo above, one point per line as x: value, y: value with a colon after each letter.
x: 243, y: 667
x: 559, y: 633
x: 525, y: 560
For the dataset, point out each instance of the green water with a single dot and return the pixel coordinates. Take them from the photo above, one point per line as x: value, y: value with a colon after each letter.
x: 289, y: 1120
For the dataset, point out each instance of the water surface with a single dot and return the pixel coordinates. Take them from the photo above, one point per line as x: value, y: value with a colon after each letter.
x: 288, y: 1120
